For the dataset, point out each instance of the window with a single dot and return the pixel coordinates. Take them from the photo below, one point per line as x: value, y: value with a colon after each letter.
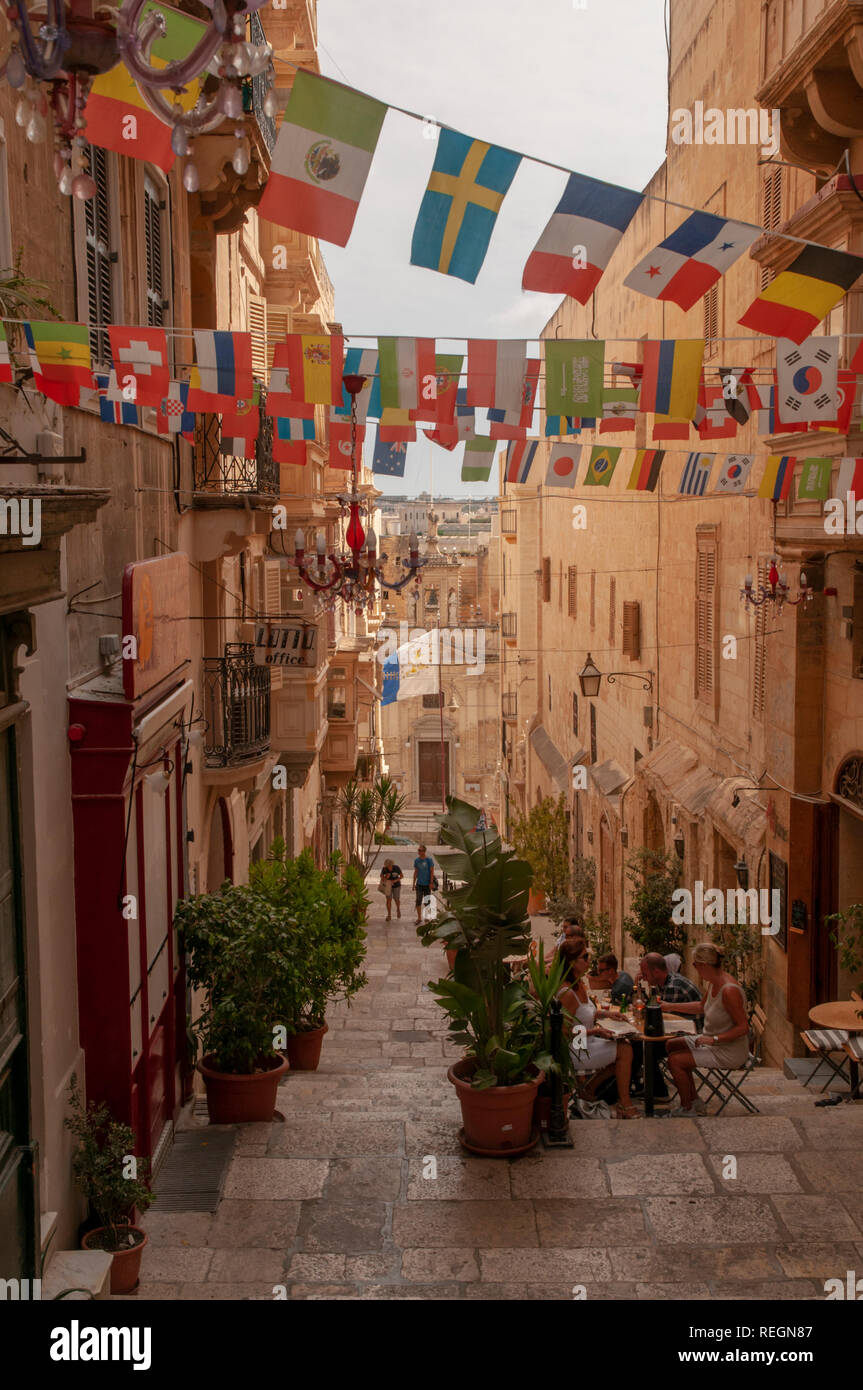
x: 575, y: 714
x: 593, y: 750
x: 572, y: 580
x: 258, y: 331
x: 705, y: 615
x: 771, y: 214
x: 546, y: 579
x: 433, y: 701
x: 632, y: 630
x: 337, y: 693
x: 593, y: 598
x: 759, y: 654
x: 612, y: 612
x: 99, y: 293
x: 270, y: 603
x: 154, y: 208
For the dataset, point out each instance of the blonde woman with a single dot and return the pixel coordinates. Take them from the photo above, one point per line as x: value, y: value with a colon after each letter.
x: 725, y: 1040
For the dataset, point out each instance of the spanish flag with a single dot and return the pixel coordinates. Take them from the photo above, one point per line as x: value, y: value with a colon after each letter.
x: 60, y: 359
x: 798, y: 299
x: 778, y: 473
x: 119, y: 119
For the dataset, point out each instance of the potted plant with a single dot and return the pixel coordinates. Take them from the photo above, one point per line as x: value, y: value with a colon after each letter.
x: 324, y: 912
x: 239, y: 953
x: 542, y: 839
x: 370, y: 812
x: 544, y: 988
x: 654, y: 876
x: 847, y: 937
x: 490, y: 1013
x: 111, y: 1178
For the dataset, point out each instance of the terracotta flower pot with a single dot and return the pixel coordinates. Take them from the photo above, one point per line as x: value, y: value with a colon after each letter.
x: 125, y: 1264
x: 542, y: 1108
x: 498, y: 1120
x: 237, y: 1099
x: 450, y: 959
x: 304, y: 1049
x: 535, y: 902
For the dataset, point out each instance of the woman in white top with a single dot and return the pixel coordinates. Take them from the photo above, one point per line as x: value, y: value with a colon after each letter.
x: 725, y: 1040
x: 593, y: 1047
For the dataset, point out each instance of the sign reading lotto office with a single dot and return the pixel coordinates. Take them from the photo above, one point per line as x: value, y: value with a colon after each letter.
x: 285, y: 644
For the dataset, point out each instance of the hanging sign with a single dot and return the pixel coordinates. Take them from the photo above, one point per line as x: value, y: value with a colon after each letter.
x: 285, y: 644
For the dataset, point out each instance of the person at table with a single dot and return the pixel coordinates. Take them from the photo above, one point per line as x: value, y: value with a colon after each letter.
x: 619, y: 982
x: 672, y: 989
x: 725, y: 1040
x: 423, y: 866
x: 596, y: 1047
x: 570, y: 926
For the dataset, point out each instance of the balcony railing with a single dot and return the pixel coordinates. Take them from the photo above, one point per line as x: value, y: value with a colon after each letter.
x: 509, y: 523
x: 509, y: 625
x: 509, y: 704
x: 236, y: 707
x: 255, y: 89
x: 223, y: 475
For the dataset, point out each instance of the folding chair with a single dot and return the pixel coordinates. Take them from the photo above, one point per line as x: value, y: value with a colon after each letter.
x: 854, y: 1051
x: 822, y: 1043
x: 721, y: 1083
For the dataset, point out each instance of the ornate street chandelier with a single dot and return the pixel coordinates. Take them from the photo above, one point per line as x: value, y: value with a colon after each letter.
x: 60, y: 46
x: 352, y: 576
x: 776, y: 590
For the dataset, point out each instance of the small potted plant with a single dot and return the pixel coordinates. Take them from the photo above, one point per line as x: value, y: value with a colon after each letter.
x: 112, y: 1179
x: 490, y: 1013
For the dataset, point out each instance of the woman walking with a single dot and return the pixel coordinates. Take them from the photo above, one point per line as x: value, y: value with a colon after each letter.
x: 391, y: 884
x: 725, y: 1040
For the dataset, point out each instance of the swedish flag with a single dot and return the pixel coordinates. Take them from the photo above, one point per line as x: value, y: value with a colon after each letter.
x: 466, y: 187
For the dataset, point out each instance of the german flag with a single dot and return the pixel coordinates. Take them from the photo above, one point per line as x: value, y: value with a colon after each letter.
x: 645, y: 470
x: 798, y: 299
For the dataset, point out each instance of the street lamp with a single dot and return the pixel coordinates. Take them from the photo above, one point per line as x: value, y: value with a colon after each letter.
x: 590, y: 678
x: 741, y: 868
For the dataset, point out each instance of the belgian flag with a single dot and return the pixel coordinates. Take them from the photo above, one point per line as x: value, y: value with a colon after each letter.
x: 798, y: 299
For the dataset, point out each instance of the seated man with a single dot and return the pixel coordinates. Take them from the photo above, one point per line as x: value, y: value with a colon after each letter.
x: 618, y: 981
x: 672, y: 988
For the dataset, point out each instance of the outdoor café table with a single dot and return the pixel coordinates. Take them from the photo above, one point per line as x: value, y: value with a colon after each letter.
x: 842, y: 1013
x: 648, y: 1061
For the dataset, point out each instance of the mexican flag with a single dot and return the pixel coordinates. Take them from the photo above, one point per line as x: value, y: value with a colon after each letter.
x: 322, y: 159
x: 119, y: 119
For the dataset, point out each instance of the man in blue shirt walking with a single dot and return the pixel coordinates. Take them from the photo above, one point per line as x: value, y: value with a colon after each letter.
x: 423, y: 866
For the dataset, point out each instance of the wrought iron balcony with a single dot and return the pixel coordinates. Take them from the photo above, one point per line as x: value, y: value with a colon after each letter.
x: 509, y: 625
x: 224, y: 478
x: 236, y: 707
x: 255, y: 89
x: 509, y: 524
x: 509, y: 704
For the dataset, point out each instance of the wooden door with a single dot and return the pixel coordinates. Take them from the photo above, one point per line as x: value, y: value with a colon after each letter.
x: 430, y: 772
x: 825, y: 899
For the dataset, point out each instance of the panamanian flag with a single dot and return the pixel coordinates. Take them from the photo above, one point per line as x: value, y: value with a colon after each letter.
x: 467, y: 185
x: 223, y: 370
x: 578, y: 241
x: 696, y: 472
x: 683, y: 267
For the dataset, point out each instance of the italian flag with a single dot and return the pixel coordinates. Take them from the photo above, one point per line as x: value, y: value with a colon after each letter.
x: 322, y: 159
x: 119, y: 119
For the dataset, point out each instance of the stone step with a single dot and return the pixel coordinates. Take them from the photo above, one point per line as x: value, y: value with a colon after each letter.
x: 88, y: 1272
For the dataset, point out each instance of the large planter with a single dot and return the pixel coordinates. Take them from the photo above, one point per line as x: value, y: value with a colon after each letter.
x: 450, y: 959
x: 498, y: 1122
x: 125, y: 1264
x: 535, y: 902
x: 304, y: 1049
x: 237, y: 1099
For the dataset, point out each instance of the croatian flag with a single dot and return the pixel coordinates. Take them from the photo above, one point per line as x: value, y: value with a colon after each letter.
x: 223, y: 370
x: 578, y: 242
x: 683, y: 267
x: 173, y: 415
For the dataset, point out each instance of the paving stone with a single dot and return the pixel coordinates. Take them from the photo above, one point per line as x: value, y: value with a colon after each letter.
x: 574, y: 1266
x: 455, y: 1224
x: 177, y: 1227
x: 712, y: 1220
x: 831, y: 1172
x: 677, y: 1292
x: 376, y: 1178
x: 258, y: 1292
x: 767, y: 1133
x: 841, y: 1129
x: 342, y: 1227
x: 802, y: 1260
x: 262, y: 1179
x: 164, y: 1293
x: 314, y: 1269
x: 174, y: 1264
x: 339, y: 1137
x: 246, y: 1264
x: 437, y: 1137
x: 439, y: 1266
x: 853, y: 1204
x: 325, y: 1293
x: 377, y: 1268
x: 413, y: 1293
x: 673, y: 1264
x: 599, y: 1139
x: 656, y: 1173
x: 567, y: 1224
x: 462, y: 1179
x: 781, y: 1291
x: 241, y: 1222
x: 557, y: 1175
x: 756, y: 1173
x: 822, y: 1218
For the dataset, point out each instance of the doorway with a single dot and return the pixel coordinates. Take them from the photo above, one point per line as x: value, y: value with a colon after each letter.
x: 430, y: 771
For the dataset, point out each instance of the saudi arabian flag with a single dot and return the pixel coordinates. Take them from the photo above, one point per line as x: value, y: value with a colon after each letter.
x: 602, y: 464
x: 478, y: 459
x: 322, y: 159
x: 119, y: 119
x: 573, y: 377
x: 814, y: 482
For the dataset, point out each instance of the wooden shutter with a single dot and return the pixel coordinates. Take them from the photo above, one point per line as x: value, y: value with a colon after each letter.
x: 593, y: 747
x: 612, y: 611
x: 593, y: 598
x: 271, y: 584
x: 711, y: 321
x: 771, y: 213
x: 759, y: 661
x: 546, y: 579
x: 278, y: 328
x: 705, y: 617
x: 154, y: 255
x: 100, y: 270
x: 572, y: 580
x: 258, y: 330
x: 575, y: 714
x: 632, y: 629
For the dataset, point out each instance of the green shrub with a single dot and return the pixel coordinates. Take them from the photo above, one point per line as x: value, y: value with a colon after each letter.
x: 100, y: 1165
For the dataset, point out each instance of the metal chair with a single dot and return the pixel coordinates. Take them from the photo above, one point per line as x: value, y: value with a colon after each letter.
x: 721, y: 1083
x: 822, y: 1043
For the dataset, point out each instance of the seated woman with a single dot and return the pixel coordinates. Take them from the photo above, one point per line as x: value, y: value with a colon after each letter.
x: 597, y: 1048
x: 725, y: 1040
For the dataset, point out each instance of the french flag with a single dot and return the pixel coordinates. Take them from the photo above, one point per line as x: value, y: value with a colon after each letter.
x: 578, y: 242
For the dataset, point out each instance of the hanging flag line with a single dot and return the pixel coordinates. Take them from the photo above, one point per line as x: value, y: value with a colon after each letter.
x: 561, y: 168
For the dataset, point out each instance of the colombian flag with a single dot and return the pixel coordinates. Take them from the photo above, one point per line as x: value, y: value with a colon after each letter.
x: 117, y: 116
x: 778, y: 473
x: 672, y: 376
x: 798, y: 299
x: 645, y: 470
x: 60, y: 359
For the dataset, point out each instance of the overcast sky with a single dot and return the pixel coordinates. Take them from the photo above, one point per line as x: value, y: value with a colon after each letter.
x: 579, y: 82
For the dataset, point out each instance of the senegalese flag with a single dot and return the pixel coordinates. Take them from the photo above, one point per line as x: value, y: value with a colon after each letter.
x: 814, y: 482
x: 602, y: 464
x: 672, y: 375
x: 467, y: 184
x: 645, y: 470
x: 778, y: 473
x: 478, y: 459
x: 60, y: 359
x: 5, y: 359
x: 117, y: 116
x: 322, y: 158
x: 408, y: 377
x: 798, y: 299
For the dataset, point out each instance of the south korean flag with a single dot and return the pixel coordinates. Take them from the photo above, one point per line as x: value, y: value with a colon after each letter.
x: 735, y: 473
x: 807, y: 380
